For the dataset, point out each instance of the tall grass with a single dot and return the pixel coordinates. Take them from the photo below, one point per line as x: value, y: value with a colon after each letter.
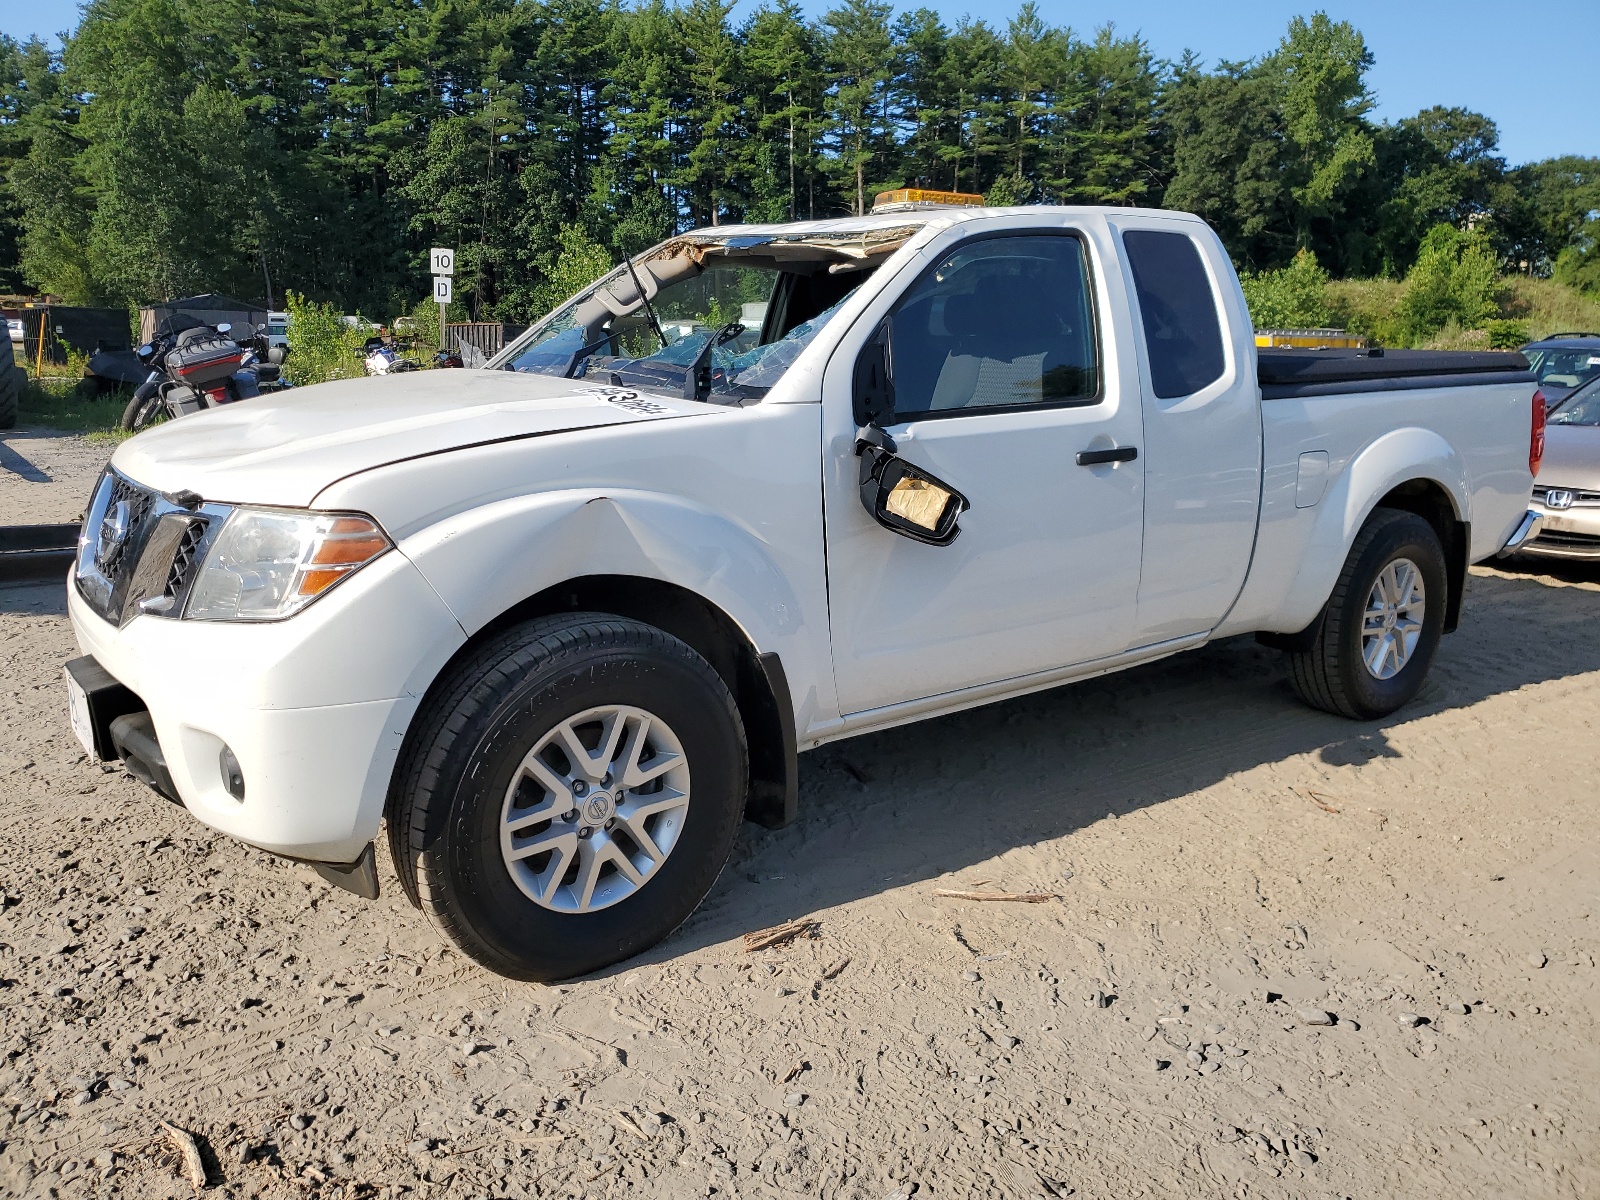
x: 73, y: 404
x: 1549, y: 307
x: 1526, y: 310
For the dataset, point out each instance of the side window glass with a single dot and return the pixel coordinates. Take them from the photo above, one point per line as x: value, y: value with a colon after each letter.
x: 1001, y: 323
x: 1181, y: 330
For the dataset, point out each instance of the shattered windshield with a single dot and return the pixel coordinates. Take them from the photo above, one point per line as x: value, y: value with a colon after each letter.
x: 727, y: 332
x: 707, y: 317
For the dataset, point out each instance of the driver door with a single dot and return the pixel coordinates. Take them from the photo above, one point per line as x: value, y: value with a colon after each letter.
x: 998, y: 384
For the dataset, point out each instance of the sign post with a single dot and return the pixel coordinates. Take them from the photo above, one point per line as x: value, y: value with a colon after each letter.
x: 443, y: 261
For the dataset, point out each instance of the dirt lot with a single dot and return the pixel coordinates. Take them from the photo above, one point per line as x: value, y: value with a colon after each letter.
x: 1231, y: 872
x: 46, y: 477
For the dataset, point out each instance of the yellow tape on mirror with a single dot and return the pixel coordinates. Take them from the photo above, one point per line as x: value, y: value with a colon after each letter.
x: 917, y: 501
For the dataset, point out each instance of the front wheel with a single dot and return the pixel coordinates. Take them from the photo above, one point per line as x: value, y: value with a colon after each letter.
x: 1375, y: 640
x: 142, y: 412
x: 569, y: 795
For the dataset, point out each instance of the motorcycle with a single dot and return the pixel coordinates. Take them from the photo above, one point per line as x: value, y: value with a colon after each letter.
x: 383, y: 359
x: 194, y: 366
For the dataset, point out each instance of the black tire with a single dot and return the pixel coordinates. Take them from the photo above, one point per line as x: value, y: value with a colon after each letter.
x: 1332, y: 674
x: 459, y: 760
x: 142, y: 412
x: 12, y: 380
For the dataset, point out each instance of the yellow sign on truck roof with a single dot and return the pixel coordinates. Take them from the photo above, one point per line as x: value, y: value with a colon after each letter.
x: 1310, y: 339
x: 900, y: 197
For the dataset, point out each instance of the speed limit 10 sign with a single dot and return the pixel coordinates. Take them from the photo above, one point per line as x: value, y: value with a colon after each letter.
x: 443, y: 260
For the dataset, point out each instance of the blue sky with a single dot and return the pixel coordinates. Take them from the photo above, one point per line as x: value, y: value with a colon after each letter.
x: 1522, y: 64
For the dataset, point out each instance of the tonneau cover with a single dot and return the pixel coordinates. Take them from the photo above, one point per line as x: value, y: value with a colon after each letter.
x: 1283, y: 372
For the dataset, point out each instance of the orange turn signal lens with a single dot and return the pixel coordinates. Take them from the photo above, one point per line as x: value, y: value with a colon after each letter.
x: 349, y: 543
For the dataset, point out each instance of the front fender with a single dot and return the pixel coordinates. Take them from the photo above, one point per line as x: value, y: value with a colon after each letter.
x: 1397, y: 457
x: 487, y: 560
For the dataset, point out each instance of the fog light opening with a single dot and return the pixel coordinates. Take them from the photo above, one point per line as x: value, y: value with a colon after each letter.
x: 232, y: 775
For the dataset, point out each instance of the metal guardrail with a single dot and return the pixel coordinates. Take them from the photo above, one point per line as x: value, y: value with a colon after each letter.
x: 36, y: 551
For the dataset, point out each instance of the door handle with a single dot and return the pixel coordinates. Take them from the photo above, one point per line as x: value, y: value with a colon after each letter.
x: 1096, y: 458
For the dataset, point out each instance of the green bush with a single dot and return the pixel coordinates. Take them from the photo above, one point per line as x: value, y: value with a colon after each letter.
x: 1507, y: 335
x: 321, y: 345
x: 1295, y: 297
x: 1578, y: 265
x: 1454, y: 279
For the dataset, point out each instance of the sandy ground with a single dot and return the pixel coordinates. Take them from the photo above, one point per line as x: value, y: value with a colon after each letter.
x: 1232, y: 872
x: 46, y: 476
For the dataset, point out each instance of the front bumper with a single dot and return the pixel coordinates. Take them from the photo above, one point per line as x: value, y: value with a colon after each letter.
x: 314, y: 708
x: 1571, y: 532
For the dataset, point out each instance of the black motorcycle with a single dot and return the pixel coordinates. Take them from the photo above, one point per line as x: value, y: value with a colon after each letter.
x: 194, y: 366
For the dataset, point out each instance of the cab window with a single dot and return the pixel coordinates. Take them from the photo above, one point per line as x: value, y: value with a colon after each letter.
x: 1182, y: 333
x: 1001, y: 323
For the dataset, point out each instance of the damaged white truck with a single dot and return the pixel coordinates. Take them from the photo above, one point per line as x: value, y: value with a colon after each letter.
x: 560, y: 624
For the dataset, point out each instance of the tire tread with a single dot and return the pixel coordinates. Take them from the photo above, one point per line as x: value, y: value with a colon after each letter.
x: 420, y: 795
x: 1315, y: 672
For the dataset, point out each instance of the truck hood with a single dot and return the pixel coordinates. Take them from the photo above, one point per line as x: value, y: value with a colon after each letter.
x: 286, y: 447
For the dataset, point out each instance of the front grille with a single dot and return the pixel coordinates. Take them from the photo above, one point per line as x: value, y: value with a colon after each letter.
x: 1540, y: 493
x: 185, y: 558
x: 152, y: 567
x: 117, y: 562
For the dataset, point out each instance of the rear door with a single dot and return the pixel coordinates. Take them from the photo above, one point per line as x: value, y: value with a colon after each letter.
x: 1202, y: 424
x: 1001, y: 377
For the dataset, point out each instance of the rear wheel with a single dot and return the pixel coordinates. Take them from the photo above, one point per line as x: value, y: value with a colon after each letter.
x: 570, y: 795
x: 1373, y: 644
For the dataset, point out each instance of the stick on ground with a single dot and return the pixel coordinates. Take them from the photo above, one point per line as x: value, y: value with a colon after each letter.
x: 1015, y: 897
x: 762, y: 939
x: 184, y: 1143
x: 1321, y: 801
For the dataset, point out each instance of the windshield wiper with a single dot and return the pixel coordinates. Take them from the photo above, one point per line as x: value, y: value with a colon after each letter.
x: 648, y: 310
x: 583, y: 352
x: 697, y: 385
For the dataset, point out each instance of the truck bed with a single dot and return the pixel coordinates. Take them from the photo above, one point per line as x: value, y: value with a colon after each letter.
x: 1285, y: 373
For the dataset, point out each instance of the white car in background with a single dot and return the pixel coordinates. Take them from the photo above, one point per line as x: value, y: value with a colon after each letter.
x: 558, y: 625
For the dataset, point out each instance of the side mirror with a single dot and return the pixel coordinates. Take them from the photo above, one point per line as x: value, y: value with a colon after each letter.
x: 874, y: 382
x: 145, y: 351
x: 905, y: 499
x: 225, y: 327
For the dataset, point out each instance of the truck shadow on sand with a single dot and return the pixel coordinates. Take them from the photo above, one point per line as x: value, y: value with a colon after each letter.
x: 908, y: 805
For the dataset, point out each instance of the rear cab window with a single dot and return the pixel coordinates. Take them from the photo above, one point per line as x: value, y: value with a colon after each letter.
x: 1182, y: 330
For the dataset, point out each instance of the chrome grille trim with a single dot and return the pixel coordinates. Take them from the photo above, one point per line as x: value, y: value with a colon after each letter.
x: 152, y: 569
x: 1579, y: 498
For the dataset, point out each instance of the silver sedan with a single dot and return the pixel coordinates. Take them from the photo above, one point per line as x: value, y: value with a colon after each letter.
x: 1567, y: 492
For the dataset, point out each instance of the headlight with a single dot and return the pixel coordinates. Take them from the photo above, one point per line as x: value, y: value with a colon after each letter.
x: 270, y: 563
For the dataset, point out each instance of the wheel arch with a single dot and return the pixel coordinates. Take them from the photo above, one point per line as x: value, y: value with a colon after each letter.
x: 756, y: 680
x: 1413, y: 469
x: 1432, y: 501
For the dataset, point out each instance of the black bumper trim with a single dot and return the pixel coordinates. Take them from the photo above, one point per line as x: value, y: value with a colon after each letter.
x: 134, y: 736
x: 360, y: 877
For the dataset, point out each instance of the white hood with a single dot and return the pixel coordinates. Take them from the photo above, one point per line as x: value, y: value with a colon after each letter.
x: 286, y: 447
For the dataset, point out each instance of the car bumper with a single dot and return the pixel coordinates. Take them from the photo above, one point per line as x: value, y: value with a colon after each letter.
x: 314, y: 708
x: 1563, y: 533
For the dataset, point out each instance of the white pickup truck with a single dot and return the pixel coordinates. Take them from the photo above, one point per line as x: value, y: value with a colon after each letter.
x: 561, y: 623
